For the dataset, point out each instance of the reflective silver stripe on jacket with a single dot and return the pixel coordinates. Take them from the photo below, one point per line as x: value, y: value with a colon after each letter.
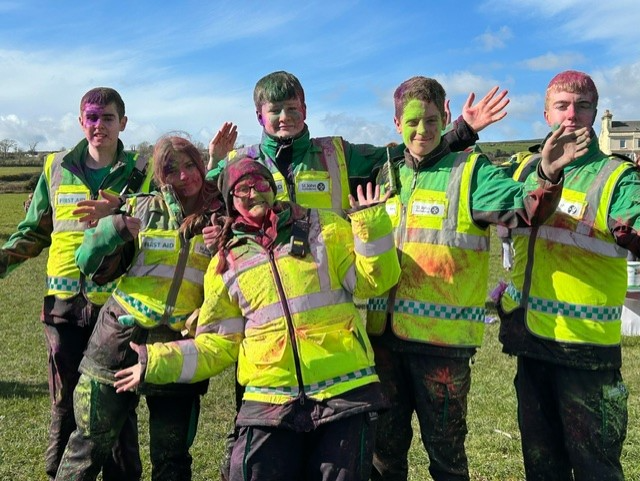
x: 349, y: 279
x: 189, y: 360
x: 448, y: 238
x: 375, y: 247
x: 330, y: 154
x: 594, y: 196
x: 571, y: 238
x: 317, y: 250
x: 232, y: 325
x: 299, y: 305
x: 164, y: 271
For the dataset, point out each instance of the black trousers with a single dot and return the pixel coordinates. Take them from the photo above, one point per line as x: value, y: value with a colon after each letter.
x: 573, y: 422
x: 340, y: 450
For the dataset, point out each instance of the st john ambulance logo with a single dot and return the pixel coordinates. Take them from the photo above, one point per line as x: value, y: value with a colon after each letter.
x: 312, y: 186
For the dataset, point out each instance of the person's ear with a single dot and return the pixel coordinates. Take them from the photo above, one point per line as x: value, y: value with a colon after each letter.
x: 398, y: 124
x: 259, y: 117
x: 123, y: 123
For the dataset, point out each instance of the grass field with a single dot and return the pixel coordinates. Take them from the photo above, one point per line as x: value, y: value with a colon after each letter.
x: 5, y: 171
x: 493, y: 443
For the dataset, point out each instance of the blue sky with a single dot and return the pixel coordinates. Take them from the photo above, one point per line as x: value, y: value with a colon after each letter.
x: 191, y: 65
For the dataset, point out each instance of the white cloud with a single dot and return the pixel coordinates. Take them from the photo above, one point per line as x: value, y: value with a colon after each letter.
x: 464, y: 82
x: 553, y: 61
x: 619, y: 90
x: 526, y: 106
x: 490, y: 41
x: 358, y: 130
x: 579, y: 21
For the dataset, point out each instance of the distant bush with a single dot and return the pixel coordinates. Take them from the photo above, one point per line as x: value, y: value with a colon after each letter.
x: 37, y: 161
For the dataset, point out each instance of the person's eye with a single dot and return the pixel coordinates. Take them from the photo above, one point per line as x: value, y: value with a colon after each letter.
x: 263, y: 186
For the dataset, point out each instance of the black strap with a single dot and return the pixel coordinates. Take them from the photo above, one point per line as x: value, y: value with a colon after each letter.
x: 528, y: 271
x: 137, y: 176
x: 176, y: 282
x: 299, y: 243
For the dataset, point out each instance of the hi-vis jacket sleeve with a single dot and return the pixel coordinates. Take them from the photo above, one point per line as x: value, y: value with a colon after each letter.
x: 215, y: 347
x: 376, y: 268
x: 106, y: 250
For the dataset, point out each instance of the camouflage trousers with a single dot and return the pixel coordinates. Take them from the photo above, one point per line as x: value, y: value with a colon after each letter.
x: 100, y: 414
x: 436, y: 389
x: 65, y: 344
x: 573, y: 422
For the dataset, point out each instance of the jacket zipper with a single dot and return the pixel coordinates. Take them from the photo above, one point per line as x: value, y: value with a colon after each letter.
x: 287, y: 315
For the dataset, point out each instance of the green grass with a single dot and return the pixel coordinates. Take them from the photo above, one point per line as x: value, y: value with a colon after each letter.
x: 507, y: 146
x: 4, y: 171
x: 18, y: 179
x: 493, y: 443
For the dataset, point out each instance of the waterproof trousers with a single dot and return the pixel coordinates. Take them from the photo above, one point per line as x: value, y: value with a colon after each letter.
x: 436, y: 389
x: 573, y: 422
x: 339, y: 450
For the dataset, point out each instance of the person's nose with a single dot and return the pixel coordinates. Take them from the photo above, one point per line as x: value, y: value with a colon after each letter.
x: 571, y: 111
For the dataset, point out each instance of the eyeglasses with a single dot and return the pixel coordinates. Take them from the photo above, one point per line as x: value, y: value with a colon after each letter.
x: 244, y: 190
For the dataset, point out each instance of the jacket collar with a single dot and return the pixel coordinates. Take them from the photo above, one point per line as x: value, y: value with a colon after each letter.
x: 275, y: 227
x: 300, y: 145
x: 74, y: 160
x: 428, y: 160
